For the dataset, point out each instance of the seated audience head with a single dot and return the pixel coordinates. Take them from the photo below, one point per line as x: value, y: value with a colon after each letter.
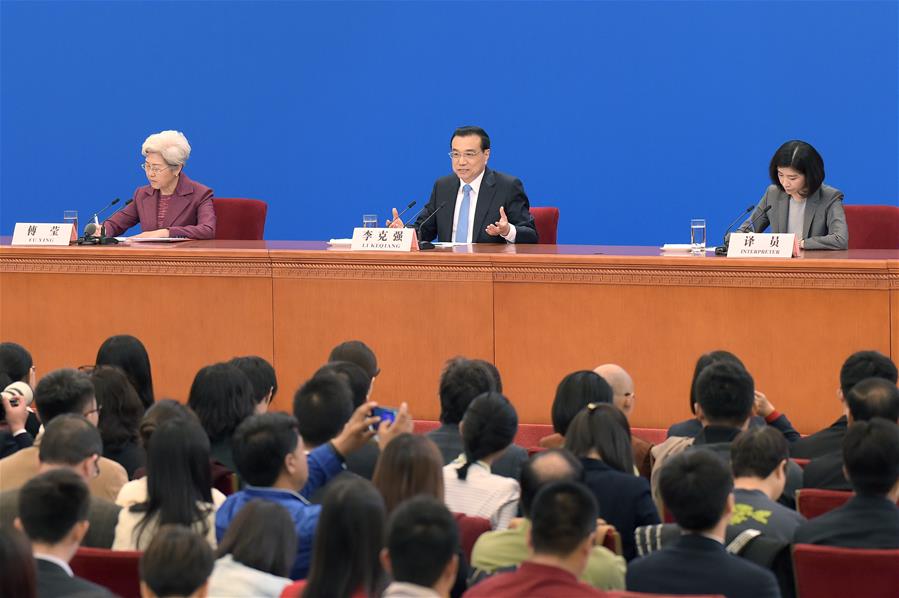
x: 802, y: 158
x: 488, y: 428
x: 410, y: 465
x: 871, y: 457
x: 422, y: 540
x: 18, y: 575
x: 15, y: 362
x: 359, y: 353
x: 162, y: 411
x: 355, y: 377
x: 222, y: 397
x: 704, y: 360
x: 623, y: 393
x: 348, y: 541
x: 601, y: 431
x: 268, y: 451
x: 262, y: 377
x: 72, y: 442
x: 65, y: 391
x: 460, y: 382
x: 545, y: 467
x: 725, y: 394
x: 53, y: 508
x: 873, y: 397
x: 120, y: 407
x: 497, y: 379
x: 866, y: 364
x: 697, y: 489
x: 178, y: 562
x: 576, y: 391
x: 129, y: 354
x: 262, y: 536
x: 322, y: 406
x: 563, y: 523
x: 761, y: 454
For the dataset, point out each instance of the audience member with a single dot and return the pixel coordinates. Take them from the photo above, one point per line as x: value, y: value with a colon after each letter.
x: 15, y: 416
x: 409, y: 466
x: 16, y: 365
x: 563, y: 529
x: 600, y: 437
x: 176, y: 564
x: 697, y: 489
x: 322, y: 405
x: 460, y: 382
x: 71, y: 442
x: 53, y: 511
x: 262, y: 377
x: 256, y: 553
x: 573, y: 394
x: 120, y: 413
x: 509, y: 548
x: 129, y: 355
x: 18, y: 576
x: 870, y: 519
x: 489, y: 425
x: 624, y: 397
x: 359, y: 353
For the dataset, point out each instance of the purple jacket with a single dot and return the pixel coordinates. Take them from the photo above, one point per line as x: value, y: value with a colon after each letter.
x: 190, y: 212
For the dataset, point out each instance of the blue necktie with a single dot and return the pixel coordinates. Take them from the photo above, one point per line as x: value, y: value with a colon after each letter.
x: 462, y: 224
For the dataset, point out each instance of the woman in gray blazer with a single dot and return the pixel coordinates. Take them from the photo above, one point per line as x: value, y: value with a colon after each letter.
x: 798, y: 201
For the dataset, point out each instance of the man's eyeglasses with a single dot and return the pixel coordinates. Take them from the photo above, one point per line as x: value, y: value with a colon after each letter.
x: 469, y: 154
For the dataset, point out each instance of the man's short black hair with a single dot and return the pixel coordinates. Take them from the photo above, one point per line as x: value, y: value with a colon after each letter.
x: 422, y: 538
x: 726, y: 393
x: 359, y: 353
x: 63, y: 391
x: 866, y: 364
x: 50, y: 504
x: 468, y: 131
x: 757, y: 452
x: 563, y: 515
x: 871, y: 456
x: 357, y: 378
x: 68, y: 440
x: 260, y: 444
x: 694, y: 486
x: 322, y: 406
x: 553, y: 465
x: 873, y: 397
x: 177, y: 562
x: 801, y: 157
x: 460, y: 382
x: 15, y: 361
x: 221, y: 395
x: 260, y: 373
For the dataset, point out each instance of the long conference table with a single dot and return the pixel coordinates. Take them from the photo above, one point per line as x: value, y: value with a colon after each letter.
x: 538, y: 311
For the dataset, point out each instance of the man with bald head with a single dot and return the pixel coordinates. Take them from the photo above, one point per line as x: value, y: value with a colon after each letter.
x: 624, y: 397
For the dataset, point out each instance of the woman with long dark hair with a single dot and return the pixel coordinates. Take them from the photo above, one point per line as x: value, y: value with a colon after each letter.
x: 120, y: 413
x: 127, y: 353
x: 410, y: 465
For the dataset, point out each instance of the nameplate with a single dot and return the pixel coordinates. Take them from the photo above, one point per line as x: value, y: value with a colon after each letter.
x: 36, y: 234
x: 768, y: 245
x: 384, y: 239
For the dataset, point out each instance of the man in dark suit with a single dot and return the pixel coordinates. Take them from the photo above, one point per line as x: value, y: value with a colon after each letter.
x: 871, y: 518
x: 697, y: 488
x: 476, y: 204
x: 53, y: 508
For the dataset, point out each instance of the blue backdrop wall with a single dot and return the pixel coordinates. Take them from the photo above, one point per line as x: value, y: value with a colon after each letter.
x: 632, y: 117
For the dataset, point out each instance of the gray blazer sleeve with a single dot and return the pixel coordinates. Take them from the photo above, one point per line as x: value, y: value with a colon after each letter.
x: 837, y: 234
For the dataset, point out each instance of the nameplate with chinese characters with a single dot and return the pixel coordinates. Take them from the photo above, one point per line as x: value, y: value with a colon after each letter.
x: 767, y: 245
x: 36, y: 234
x: 384, y: 239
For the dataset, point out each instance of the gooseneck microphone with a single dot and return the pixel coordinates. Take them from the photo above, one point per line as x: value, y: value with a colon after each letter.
x: 754, y: 220
x: 428, y: 244
x: 398, y: 216
x: 722, y: 249
x: 90, y: 229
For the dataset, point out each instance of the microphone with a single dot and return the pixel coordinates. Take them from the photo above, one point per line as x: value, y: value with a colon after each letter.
x: 90, y: 229
x: 753, y: 221
x: 428, y: 244
x: 411, y: 204
x: 722, y: 250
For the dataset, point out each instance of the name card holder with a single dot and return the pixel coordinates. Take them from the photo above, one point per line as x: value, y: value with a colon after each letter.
x: 384, y: 239
x: 765, y: 245
x: 38, y: 234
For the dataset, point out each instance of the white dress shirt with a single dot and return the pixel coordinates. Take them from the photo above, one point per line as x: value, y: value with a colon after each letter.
x: 472, y: 205
x: 481, y: 494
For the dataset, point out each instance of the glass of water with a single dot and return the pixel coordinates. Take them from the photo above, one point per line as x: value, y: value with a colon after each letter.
x: 71, y: 217
x: 369, y: 221
x: 697, y: 236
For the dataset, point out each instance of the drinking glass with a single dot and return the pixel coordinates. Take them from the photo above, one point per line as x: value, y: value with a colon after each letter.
x: 369, y: 221
x: 71, y: 217
x: 697, y: 236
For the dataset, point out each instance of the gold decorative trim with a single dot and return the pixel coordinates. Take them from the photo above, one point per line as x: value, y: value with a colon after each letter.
x: 383, y: 271
x: 128, y: 265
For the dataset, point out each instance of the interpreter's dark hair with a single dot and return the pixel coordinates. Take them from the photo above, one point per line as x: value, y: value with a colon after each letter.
x: 129, y: 354
x: 18, y: 573
x: 489, y: 426
x: 553, y: 465
x: 359, y: 353
x: 604, y: 428
x: 68, y: 440
x: 15, y: 361
x: 179, y: 480
x: 221, y: 395
x: 177, y: 562
x: 322, y: 406
x: 576, y: 391
x: 704, y: 360
x: 866, y: 364
x: 801, y: 157
x: 261, y: 375
x: 409, y: 465
x: 726, y: 393
x: 494, y: 371
x: 468, y: 131
x: 460, y: 382
x: 871, y: 456
x: 120, y: 407
x: 757, y: 452
x: 422, y: 537
x: 348, y: 542
x: 694, y: 486
x: 563, y: 515
x: 62, y: 391
x: 260, y: 445
x: 162, y: 411
x: 356, y: 378
x: 262, y: 536
x: 51, y: 503
x: 874, y: 397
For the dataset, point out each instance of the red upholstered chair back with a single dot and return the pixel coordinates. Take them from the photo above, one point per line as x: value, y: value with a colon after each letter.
x: 547, y: 222
x: 873, y: 227
x: 116, y: 570
x: 423, y: 426
x: 625, y: 594
x: 801, y: 462
x: 651, y: 435
x: 830, y: 572
x: 529, y: 435
x: 239, y: 219
x: 470, y: 529
x: 811, y: 502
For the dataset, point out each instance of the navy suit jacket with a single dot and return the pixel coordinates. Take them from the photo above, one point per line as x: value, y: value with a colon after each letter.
x: 826, y: 472
x: 497, y: 189
x: 54, y: 582
x: 863, y: 522
x: 822, y: 442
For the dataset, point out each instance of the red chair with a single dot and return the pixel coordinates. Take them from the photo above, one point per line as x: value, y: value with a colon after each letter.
x: 530, y: 434
x: 651, y: 435
x: 239, y: 219
x: 801, y: 462
x: 612, y: 541
x: 423, y: 426
x: 625, y: 594
x: 116, y: 570
x: 873, y: 227
x: 547, y: 222
x: 470, y: 529
x: 811, y: 502
x: 828, y: 571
